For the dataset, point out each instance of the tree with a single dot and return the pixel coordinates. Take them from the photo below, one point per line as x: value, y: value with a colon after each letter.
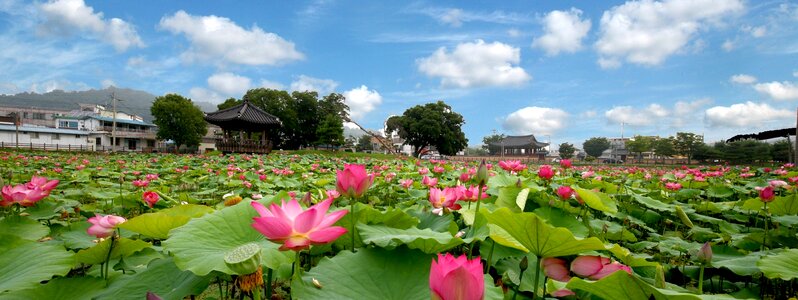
x: 432, y: 124
x: 781, y: 151
x: 686, y: 144
x: 745, y: 151
x: 596, y: 145
x: 494, y: 138
x: 663, y: 147
x: 330, y: 131
x: 639, y: 144
x: 281, y: 105
x: 334, y: 104
x: 230, y: 102
x: 179, y: 120
x: 364, y: 143
x: 567, y: 151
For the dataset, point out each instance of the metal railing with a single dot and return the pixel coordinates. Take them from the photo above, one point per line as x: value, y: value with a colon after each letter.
x: 46, y: 147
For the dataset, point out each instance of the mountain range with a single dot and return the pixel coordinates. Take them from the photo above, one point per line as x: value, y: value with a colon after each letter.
x: 129, y: 100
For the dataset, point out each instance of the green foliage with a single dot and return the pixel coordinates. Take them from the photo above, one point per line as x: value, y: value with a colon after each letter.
x: 230, y: 102
x: 639, y: 144
x: 780, y: 150
x: 330, y: 131
x: 432, y: 124
x: 567, y: 150
x: 364, y: 143
x: 27, y: 263
x: 783, y: 265
x: 663, y: 147
x: 686, y: 144
x: 178, y: 119
x: 596, y: 145
x: 744, y: 151
x: 494, y: 138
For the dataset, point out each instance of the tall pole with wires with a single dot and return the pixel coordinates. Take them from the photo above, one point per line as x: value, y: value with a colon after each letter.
x: 113, y: 125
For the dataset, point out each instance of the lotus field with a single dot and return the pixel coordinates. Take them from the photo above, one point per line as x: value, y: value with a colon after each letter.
x: 315, y: 226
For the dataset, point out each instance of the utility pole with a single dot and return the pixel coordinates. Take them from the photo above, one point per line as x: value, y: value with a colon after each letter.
x: 16, y: 124
x: 113, y: 126
x: 795, y: 159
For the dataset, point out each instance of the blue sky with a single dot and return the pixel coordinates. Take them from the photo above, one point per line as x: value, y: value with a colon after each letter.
x: 563, y: 70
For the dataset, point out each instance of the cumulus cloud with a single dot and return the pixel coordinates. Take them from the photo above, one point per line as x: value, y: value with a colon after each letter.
x: 727, y: 46
x: 647, y: 32
x: 271, y: 85
x: 307, y: 83
x: 198, y: 94
x: 68, y: 16
x: 686, y: 112
x: 221, y: 39
x: 105, y: 83
x: 229, y: 84
x: 743, y: 79
x: 745, y: 115
x: 361, y: 101
x: 535, y: 120
x: 649, y: 115
x: 755, y: 31
x: 778, y: 90
x: 564, y: 31
x: 475, y: 64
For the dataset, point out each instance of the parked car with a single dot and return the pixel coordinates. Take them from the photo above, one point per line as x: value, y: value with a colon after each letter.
x: 612, y: 161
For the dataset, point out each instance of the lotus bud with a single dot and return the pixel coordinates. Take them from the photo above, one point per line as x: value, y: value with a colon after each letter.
x: 307, y: 199
x: 683, y: 216
x: 704, y: 255
x: 244, y: 259
x: 659, y: 277
x: 524, y: 264
x: 482, y: 173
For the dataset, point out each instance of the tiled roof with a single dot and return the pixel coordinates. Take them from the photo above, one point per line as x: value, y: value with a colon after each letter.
x: 242, y: 116
x: 520, y: 141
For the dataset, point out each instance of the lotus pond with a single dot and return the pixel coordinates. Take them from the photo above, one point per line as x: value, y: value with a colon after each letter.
x: 313, y: 226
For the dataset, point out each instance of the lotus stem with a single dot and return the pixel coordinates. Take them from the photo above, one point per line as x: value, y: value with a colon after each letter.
x: 219, y: 282
x: 537, y: 276
x: 701, y: 280
x: 107, y: 258
x: 490, y: 256
x: 269, y: 284
x: 765, y: 238
x: 256, y: 294
x: 354, y: 220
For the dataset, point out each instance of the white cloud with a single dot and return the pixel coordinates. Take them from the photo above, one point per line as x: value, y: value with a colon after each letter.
x: 456, y: 17
x: 743, y: 79
x: 307, y: 83
x: 650, y: 115
x: 728, y: 46
x: 685, y: 112
x: 198, y: 94
x: 795, y: 74
x: 745, y: 115
x: 105, y: 83
x: 361, y: 101
x: 778, y: 90
x: 647, y: 32
x: 564, y: 31
x: 588, y: 114
x: 536, y: 120
x: 271, y: 85
x: 755, y: 31
x: 221, y: 39
x: 65, y: 16
x: 229, y: 84
x: 452, y: 17
x: 475, y: 64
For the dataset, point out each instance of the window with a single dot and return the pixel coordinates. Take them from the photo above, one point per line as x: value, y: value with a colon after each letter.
x: 68, y: 124
x: 77, y: 136
x: 34, y: 135
x: 56, y: 136
x: 98, y: 141
x: 25, y: 115
x: 38, y: 116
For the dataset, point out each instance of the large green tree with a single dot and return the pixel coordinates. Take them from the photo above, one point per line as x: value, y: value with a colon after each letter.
x: 308, y: 117
x: 686, y: 144
x: 281, y: 105
x: 179, y: 120
x: 364, y: 143
x: 330, y: 131
x: 663, y: 147
x: 639, y: 144
x: 431, y: 124
x: 596, y: 145
x: 493, y: 138
x: 567, y: 150
x: 230, y: 102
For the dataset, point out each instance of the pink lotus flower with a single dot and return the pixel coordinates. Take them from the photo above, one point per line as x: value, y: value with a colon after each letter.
x: 565, y: 163
x: 546, y: 172
x: 150, y: 198
x: 151, y: 177
x: 596, y: 267
x: 778, y: 183
x: 464, y: 177
x: 766, y: 194
x: 562, y: 293
x: 555, y: 268
x: 406, y: 183
x: 429, y: 182
x: 588, y: 174
x: 103, y: 226
x: 353, y: 180
x: 42, y: 183
x: 444, y: 200
x: 423, y: 171
x: 295, y: 228
x: 141, y: 183
x: 333, y: 194
x: 438, y: 169
x: 565, y: 192
x: 673, y: 186
x: 22, y: 195
x: 472, y: 194
x: 513, y: 166
x: 458, y: 278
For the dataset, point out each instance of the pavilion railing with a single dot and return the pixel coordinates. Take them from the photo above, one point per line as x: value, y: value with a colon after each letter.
x: 243, y: 146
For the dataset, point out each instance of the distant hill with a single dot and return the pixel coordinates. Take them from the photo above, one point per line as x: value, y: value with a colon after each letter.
x: 133, y: 101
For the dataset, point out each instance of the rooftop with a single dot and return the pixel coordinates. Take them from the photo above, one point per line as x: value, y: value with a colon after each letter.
x: 242, y: 116
x: 520, y: 141
x: 5, y: 127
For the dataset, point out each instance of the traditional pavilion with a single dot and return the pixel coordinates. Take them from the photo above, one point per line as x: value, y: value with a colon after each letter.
x: 525, y: 145
x: 243, y: 119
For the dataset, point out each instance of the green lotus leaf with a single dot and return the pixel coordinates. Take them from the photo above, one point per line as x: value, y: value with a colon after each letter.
x: 121, y: 247
x: 62, y: 288
x: 782, y: 265
x: 597, y: 200
x: 533, y: 235
x: 426, y: 240
x: 161, y: 277
x: 23, y: 227
x: 29, y: 263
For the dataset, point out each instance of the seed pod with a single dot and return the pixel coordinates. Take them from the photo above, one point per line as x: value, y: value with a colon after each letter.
x: 683, y: 216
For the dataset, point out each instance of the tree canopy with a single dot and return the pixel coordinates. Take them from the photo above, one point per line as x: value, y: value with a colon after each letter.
x: 179, y: 120
x: 431, y: 124
x: 596, y: 145
x: 663, y: 147
x: 686, y: 144
x: 494, y: 138
x: 639, y: 144
x: 567, y: 150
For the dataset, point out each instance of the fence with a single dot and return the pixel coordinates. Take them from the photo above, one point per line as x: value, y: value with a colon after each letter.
x: 46, y: 147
